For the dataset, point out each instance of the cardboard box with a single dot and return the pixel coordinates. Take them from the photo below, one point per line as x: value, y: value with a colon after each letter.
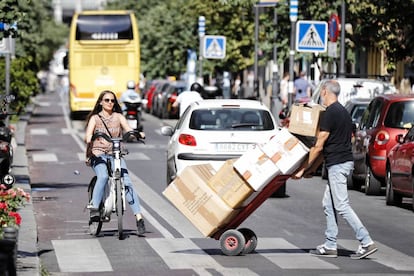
x: 229, y: 185
x: 191, y: 195
x: 256, y: 168
x: 304, y: 120
x: 286, y: 151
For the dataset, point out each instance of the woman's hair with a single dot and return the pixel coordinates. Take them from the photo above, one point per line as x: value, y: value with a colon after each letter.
x: 98, y: 106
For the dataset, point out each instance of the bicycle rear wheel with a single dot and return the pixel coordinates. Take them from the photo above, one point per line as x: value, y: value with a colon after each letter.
x: 95, y: 227
x: 119, y: 208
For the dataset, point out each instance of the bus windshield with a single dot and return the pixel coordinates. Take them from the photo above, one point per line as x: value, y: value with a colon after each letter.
x: 104, y: 27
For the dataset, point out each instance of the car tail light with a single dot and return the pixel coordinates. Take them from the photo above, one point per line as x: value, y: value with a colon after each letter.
x: 187, y: 140
x: 381, y: 140
x: 4, y: 147
x: 173, y: 97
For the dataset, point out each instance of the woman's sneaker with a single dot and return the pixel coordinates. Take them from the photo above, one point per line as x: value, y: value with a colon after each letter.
x: 364, y: 251
x: 322, y: 251
x: 141, y: 227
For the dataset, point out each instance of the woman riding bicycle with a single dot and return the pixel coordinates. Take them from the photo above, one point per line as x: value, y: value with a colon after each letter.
x: 107, y: 117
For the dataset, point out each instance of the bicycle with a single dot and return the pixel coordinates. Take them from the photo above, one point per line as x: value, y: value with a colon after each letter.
x: 113, y: 200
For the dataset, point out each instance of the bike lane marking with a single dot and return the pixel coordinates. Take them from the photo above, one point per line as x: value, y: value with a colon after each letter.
x: 85, y: 255
x: 288, y: 256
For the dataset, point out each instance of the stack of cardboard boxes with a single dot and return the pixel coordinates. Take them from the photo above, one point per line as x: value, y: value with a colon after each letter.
x: 211, y: 199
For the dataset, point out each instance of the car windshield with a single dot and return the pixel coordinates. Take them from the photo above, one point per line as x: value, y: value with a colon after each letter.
x: 231, y: 119
x: 400, y: 115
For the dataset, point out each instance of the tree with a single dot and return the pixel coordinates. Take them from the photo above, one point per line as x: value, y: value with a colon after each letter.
x: 384, y: 24
x: 37, y: 37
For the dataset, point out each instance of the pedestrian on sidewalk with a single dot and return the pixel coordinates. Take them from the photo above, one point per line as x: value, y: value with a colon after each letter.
x: 334, y: 142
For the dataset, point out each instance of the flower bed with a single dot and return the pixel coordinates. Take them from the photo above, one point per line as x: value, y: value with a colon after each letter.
x: 10, y: 201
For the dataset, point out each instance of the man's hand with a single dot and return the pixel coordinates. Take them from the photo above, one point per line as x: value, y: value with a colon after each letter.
x: 299, y: 173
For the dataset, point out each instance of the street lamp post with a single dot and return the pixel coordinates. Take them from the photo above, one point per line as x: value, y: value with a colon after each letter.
x: 276, y: 103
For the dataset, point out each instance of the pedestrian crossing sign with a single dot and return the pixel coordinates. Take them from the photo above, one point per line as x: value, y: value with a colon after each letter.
x: 311, y: 36
x: 214, y: 46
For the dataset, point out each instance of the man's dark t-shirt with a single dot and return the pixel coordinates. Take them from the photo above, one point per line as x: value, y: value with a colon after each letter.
x: 337, y: 121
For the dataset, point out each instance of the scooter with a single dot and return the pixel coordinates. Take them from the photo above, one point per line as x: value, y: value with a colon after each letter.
x: 6, y: 148
x: 133, y: 111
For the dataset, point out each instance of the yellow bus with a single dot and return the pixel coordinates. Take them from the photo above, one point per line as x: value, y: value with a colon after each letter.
x: 104, y: 53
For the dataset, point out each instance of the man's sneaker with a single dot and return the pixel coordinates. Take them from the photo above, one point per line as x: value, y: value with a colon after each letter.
x: 364, y: 251
x: 322, y: 251
x: 141, y: 227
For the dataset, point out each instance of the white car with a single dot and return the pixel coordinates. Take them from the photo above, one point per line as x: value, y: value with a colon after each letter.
x: 352, y: 88
x: 215, y: 130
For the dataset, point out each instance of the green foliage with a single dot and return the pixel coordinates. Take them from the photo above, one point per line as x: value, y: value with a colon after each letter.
x: 169, y: 28
x: 36, y: 38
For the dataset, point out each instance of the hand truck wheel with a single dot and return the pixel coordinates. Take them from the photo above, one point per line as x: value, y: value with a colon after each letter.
x: 251, y: 240
x: 232, y: 242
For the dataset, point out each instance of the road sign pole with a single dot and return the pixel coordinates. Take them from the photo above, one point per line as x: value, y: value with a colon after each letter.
x: 201, y: 33
x: 293, y: 16
x: 256, y: 38
x: 342, y: 61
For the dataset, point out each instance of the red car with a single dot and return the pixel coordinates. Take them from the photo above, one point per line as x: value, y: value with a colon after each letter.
x: 400, y: 170
x: 386, y: 117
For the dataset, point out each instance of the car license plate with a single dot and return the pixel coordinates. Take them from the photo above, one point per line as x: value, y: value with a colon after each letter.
x: 232, y: 147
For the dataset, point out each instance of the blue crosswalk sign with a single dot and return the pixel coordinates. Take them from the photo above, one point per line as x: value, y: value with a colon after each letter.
x: 214, y: 46
x: 311, y: 36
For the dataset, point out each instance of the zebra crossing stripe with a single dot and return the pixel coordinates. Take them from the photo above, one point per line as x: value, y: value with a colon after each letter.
x: 185, y: 254
x: 84, y: 255
x: 288, y: 256
x: 385, y: 255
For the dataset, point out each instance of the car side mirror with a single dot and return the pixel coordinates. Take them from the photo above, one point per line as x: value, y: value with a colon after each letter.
x: 400, y: 138
x: 167, y: 131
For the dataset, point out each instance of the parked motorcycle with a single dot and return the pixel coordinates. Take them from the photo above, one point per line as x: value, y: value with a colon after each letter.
x: 6, y: 148
x: 133, y: 111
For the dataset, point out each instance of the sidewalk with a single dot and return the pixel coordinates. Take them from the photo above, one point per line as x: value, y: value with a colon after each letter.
x: 28, y: 263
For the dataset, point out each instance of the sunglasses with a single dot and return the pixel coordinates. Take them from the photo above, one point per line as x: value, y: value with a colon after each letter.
x: 109, y: 100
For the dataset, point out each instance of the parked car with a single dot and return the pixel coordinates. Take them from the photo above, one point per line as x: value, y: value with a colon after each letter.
x: 356, y: 88
x: 168, y: 98
x: 400, y: 170
x: 156, y: 98
x: 384, y: 119
x: 356, y: 108
x: 215, y: 130
x: 149, y: 94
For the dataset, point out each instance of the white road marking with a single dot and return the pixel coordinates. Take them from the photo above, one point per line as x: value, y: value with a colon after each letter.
x: 38, y: 131
x: 44, y: 157
x: 185, y: 254
x: 385, y: 255
x: 85, y: 255
x: 288, y: 256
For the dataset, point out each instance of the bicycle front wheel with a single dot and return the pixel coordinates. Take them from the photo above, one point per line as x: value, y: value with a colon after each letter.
x: 119, y: 208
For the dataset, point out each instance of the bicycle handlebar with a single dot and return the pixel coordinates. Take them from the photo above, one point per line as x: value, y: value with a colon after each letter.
x: 124, y: 137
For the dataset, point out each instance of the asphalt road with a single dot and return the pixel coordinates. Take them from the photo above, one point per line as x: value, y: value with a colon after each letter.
x: 287, y: 228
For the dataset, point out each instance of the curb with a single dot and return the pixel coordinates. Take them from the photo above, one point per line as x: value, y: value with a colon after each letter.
x: 28, y: 262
